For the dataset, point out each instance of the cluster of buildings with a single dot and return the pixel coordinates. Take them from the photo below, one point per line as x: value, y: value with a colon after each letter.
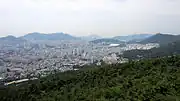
x: 141, y: 46
x: 37, y: 59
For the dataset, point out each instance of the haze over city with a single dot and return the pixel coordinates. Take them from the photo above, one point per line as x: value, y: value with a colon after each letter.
x: 89, y: 50
x: 83, y: 17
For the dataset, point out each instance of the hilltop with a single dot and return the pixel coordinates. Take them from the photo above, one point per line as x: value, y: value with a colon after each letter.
x: 161, y: 39
x: 11, y: 40
x: 52, y: 36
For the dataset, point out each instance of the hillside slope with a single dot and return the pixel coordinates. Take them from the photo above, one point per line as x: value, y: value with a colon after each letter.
x: 134, y: 37
x: 146, y: 80
x: 161, y: 39
x: 172, y: 48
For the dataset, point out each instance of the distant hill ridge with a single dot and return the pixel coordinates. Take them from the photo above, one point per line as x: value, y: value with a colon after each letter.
x: 161, y: 39
x: 134, y: 37
x: 9, y: 37
x: 53, y: 36
x: 11, y: 40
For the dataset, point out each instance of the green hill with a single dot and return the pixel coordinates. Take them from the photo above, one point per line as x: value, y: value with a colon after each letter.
x: 161, y: 39
x: 133, y: 37
x: 145, y: 80
x: 164, y: 50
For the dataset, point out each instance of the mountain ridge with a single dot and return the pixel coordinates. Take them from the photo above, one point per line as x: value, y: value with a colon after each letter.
x: 52, y: 36
x: 133, y: 37
x: 12, y: 40
x: 161, y: 39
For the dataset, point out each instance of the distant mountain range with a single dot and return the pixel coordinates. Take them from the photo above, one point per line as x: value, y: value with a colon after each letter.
x: 49, y: 37
x: 161, y: 39
x: 134, y: 37
x: 142, y: 38
x: 11, y: 40
x: 122, y: 39
x: 53, y: 36
x: 137, y: 38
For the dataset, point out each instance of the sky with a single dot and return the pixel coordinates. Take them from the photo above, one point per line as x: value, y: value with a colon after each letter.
x: 84, y: 17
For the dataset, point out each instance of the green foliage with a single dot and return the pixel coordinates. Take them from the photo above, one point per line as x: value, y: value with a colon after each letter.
x: 162, y: 39
x: 165, y: 50
x: 144, y: 80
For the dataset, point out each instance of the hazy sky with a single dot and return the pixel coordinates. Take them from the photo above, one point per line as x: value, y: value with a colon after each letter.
x: 83, y: 17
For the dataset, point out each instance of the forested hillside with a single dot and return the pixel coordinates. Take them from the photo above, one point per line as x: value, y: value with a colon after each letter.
x: 162, y: 39
x: 164, y: 50
x: 144, y: 80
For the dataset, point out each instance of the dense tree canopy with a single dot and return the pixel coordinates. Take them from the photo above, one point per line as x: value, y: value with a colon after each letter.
x: 144, y: 80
